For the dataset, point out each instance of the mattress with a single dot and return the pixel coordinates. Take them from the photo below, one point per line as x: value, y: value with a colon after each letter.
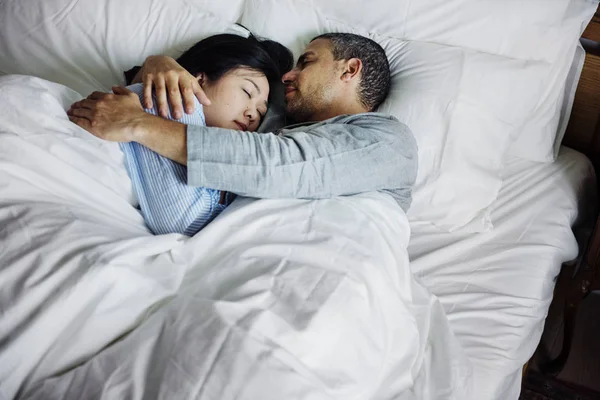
x: 496, y: 286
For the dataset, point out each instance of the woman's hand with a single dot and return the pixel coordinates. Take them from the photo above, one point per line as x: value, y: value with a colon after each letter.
x: 168, y: 78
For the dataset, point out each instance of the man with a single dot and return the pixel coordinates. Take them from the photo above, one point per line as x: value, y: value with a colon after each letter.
x: 339, y: 146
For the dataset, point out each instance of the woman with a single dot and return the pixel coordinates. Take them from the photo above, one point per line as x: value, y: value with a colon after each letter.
x: 235, y: 73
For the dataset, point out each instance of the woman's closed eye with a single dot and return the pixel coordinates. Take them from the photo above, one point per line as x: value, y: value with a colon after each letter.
x: 261, y: 113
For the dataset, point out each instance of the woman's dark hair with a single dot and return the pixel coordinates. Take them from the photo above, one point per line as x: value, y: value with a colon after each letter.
x: 219, y: 54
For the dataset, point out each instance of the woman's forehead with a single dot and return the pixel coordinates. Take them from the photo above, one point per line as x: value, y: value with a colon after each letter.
x: 255, y: 78
x: 246, y: 73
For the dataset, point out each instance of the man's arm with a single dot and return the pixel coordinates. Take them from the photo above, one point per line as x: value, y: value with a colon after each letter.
x: 165, y: 137
x: 350, y: 154
x: 119, y: 117
x: 357, y: 154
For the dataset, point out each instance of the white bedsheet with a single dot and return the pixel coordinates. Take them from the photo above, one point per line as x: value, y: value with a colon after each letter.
x: 496, y: 286
x: 276, y: 299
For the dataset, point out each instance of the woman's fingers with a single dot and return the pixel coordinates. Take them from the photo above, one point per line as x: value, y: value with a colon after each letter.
x: 147, y: 82
x: 174, y: 92
x: 172, y: 86
x: 160, y: 92
x: 190, y: 88
x: 199, y: 93
x: 187, y: 92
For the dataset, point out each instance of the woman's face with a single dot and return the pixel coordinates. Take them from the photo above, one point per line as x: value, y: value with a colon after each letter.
x: 238, y: 100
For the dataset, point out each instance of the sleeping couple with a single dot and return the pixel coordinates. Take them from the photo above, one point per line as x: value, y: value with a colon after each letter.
x: 187, y: 167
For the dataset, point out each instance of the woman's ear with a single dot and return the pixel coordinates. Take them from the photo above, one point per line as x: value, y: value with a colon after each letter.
x: 200, y: 76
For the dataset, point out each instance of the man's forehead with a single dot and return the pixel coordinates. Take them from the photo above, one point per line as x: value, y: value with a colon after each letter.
x: 318, y: 47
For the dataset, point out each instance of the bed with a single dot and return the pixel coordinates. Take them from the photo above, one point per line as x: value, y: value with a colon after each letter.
x: 510, y: 270
x: 344, y: 298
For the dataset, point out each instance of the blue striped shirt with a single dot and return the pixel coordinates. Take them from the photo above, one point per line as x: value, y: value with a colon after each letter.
x: 167, y: 203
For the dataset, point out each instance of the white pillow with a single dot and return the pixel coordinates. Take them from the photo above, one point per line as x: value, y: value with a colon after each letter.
x: 540, y: 138
x: 541, y: 30
x: 468, y: 75
x: 528, y: 30
x: 569, y: 97
x: 87, y: 44
x: 454, y: 101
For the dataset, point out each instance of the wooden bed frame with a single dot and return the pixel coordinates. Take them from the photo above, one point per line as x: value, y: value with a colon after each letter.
x: 578, y: 278
x: 583, y: 132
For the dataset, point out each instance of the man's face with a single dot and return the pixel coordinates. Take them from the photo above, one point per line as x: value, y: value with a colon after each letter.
x: 312, y: 85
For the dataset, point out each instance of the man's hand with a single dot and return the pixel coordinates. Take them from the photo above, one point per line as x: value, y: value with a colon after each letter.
x: 115, y: 117
x: 166, y: 76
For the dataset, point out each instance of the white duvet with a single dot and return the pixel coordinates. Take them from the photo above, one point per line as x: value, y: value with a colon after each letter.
x: 275, y: 299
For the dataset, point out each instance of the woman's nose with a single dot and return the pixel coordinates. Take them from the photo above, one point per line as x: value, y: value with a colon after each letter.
x: 251, y: 114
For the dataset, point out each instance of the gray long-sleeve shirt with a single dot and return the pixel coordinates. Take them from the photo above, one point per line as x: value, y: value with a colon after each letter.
x: 344, y: 155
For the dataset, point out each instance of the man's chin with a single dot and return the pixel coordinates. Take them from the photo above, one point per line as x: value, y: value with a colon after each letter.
x: 289, y: 110
x: 294, y: 113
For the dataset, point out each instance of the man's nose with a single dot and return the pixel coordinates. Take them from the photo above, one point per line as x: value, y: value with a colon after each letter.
x: 289, y: 76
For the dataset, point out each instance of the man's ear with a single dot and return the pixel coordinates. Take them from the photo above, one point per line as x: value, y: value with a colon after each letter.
x: 352, y: 69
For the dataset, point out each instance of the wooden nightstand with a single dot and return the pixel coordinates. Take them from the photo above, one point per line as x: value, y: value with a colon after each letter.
x: 579, y: 280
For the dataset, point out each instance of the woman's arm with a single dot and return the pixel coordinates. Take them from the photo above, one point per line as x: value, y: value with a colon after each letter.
x: 167, y: 203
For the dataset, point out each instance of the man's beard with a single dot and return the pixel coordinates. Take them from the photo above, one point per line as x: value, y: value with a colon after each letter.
x: 298, y: 109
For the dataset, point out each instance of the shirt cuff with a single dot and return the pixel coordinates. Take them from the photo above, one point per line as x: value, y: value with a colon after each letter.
x: 195, y: 135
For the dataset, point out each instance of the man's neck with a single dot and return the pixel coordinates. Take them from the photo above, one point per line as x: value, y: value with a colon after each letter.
x: 339, y: 109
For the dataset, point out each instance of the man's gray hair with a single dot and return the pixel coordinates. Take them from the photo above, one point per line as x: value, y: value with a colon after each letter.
x: 375, y: 78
